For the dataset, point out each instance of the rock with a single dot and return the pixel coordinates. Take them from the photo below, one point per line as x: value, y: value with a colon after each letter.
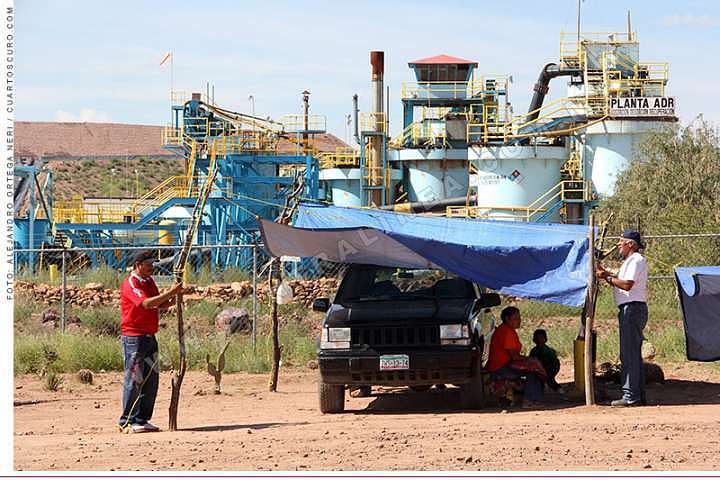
x: 653, y: 373
x: 49, y: 315
x: 232, y: 320
x: 648, y: 351
x: 85, y: 376
x: 94, y: 286
x: 312, y: 364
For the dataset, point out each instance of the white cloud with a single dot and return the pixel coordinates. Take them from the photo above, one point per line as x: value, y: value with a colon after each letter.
x: 705, y: 21
x: 85, y: 115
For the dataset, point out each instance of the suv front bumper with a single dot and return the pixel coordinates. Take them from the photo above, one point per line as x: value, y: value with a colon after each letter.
x: 427, y: 367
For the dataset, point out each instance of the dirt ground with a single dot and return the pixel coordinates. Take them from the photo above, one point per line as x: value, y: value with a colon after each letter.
x: 248, y: 428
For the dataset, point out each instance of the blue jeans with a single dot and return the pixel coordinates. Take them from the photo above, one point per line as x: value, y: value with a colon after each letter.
x: 142, y: 375
x: 632, y: 317
x: 533, y: 384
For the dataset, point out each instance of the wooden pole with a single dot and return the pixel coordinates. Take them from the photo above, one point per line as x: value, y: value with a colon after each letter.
x: 272, y: 386
x: 179, y: 272
x: 291, y: 203
x: 590, y: 317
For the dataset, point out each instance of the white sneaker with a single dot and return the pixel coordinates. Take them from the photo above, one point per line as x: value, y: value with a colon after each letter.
x: 149, y: 427
x: 141, y: 428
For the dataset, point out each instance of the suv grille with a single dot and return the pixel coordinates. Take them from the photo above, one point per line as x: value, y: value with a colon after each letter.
x: 415, y: 336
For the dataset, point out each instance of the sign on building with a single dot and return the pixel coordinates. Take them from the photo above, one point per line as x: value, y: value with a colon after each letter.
x: 642, y: 107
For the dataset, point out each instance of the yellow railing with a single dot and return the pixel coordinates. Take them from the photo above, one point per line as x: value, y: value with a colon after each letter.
x: 127, y: 211
x: 340, y: 158
x: 563, y: 190
x: 452, y: 90
x: 239, y: 141
x: 570, y: 48
x: 488, y: 130
x: 373, y: 122
x: 434, y: 113
x: 178, y: 97
x: 93, y: 211
x: 296, y: 123
x: 172, y: 135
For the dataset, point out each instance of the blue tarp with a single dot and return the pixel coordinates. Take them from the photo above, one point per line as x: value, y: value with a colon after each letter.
x: 699, y: 289
x: 540, y: 261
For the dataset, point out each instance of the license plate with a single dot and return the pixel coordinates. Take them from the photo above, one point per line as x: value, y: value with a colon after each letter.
x: 394, y: 362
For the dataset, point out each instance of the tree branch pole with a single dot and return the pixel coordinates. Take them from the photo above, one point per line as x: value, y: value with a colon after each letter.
x: 291, y: 203
x: 589, y: 313
x: 179, y: 270
x: 277, y: 349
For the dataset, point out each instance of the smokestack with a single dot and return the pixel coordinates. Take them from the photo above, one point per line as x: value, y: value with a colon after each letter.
x: 377, y: 60
x: 376, y: 154
x: 355, y: 119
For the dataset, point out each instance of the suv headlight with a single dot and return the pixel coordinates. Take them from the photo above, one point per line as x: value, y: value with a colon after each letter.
x: 455, y: 334
x: 331, y: 338
x: 338, y: 334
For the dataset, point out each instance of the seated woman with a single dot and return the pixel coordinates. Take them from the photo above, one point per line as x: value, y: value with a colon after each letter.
x: 505, y: 361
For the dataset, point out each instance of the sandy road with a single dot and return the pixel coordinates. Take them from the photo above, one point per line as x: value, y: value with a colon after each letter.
x: 248, y: 428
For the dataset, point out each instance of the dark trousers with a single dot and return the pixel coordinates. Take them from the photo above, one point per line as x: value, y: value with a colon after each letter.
x: 552, y: 368
x: 632, y: 317
x: 142, y: 375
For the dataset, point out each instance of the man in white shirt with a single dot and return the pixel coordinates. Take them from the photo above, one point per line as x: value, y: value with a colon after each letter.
x: 630, y: 292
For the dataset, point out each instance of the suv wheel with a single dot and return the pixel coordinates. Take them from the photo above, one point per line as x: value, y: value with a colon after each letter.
x: 471, y: 394
x: 332, y: 397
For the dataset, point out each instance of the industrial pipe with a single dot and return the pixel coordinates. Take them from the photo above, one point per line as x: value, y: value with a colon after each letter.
x: 415, y: 207
x: 550, y: 71
x: 356, y: 110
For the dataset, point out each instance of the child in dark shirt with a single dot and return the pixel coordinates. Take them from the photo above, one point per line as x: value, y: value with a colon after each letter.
x: 547, y: 356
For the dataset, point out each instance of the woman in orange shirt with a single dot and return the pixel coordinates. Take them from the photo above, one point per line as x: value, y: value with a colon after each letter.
x: 507, y: 363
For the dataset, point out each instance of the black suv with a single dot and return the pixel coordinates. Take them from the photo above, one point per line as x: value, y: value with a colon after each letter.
x: 402, y: 327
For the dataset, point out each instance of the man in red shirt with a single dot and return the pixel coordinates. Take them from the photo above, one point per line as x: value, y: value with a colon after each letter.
x: 505, y: 348
x: 140, y: 302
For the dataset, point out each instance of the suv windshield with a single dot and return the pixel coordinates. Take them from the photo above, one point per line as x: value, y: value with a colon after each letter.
x: 378, y: 283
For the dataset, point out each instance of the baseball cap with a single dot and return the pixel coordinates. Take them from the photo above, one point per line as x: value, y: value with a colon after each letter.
x: 142, y: 256
x: 633, y: 235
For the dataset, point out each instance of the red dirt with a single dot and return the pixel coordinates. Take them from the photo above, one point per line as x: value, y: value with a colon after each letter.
x: 248, y: 428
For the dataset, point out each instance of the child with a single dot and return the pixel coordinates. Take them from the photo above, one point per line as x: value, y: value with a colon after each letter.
x: 547, y: 356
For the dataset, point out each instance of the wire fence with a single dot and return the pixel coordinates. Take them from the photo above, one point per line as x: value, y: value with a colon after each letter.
x: 233, y: 275
x: 238, y: 274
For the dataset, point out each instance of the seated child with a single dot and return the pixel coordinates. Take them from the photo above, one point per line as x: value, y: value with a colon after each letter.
x: 547, y: 356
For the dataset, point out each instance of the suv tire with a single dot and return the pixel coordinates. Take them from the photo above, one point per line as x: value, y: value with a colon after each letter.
x: 471, y: 394
x: 331, y: 397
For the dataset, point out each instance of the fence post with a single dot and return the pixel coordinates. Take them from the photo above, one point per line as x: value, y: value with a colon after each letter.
x: 62, y: 297
x: 254, y: 299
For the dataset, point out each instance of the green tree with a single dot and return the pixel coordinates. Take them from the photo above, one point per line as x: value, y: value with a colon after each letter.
x: 672, y: 187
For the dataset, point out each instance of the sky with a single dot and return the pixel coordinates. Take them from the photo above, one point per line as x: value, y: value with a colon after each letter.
x: 99, y: 61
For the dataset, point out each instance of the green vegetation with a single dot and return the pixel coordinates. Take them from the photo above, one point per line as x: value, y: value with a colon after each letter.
x: 53, y: 382
x: 674, y: 189
x: 96, y: 346
x: 92, y: 178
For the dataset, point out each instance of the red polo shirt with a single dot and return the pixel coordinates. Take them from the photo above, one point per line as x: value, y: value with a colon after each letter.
x: 137, y: 320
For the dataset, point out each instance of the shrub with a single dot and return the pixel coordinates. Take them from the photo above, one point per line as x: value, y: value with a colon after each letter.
x: 53, y: 382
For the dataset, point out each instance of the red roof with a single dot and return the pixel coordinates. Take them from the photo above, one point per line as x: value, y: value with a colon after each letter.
x: 443, y: 59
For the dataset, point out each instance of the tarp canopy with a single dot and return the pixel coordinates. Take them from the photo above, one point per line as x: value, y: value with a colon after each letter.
x: 699, y: 289
x: 539, y: 261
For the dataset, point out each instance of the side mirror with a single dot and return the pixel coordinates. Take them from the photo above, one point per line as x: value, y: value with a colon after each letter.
x: 488, y: 300
x: 321, y: 305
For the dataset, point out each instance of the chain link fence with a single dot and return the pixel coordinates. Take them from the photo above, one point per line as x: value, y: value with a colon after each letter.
x: 237, y: 275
